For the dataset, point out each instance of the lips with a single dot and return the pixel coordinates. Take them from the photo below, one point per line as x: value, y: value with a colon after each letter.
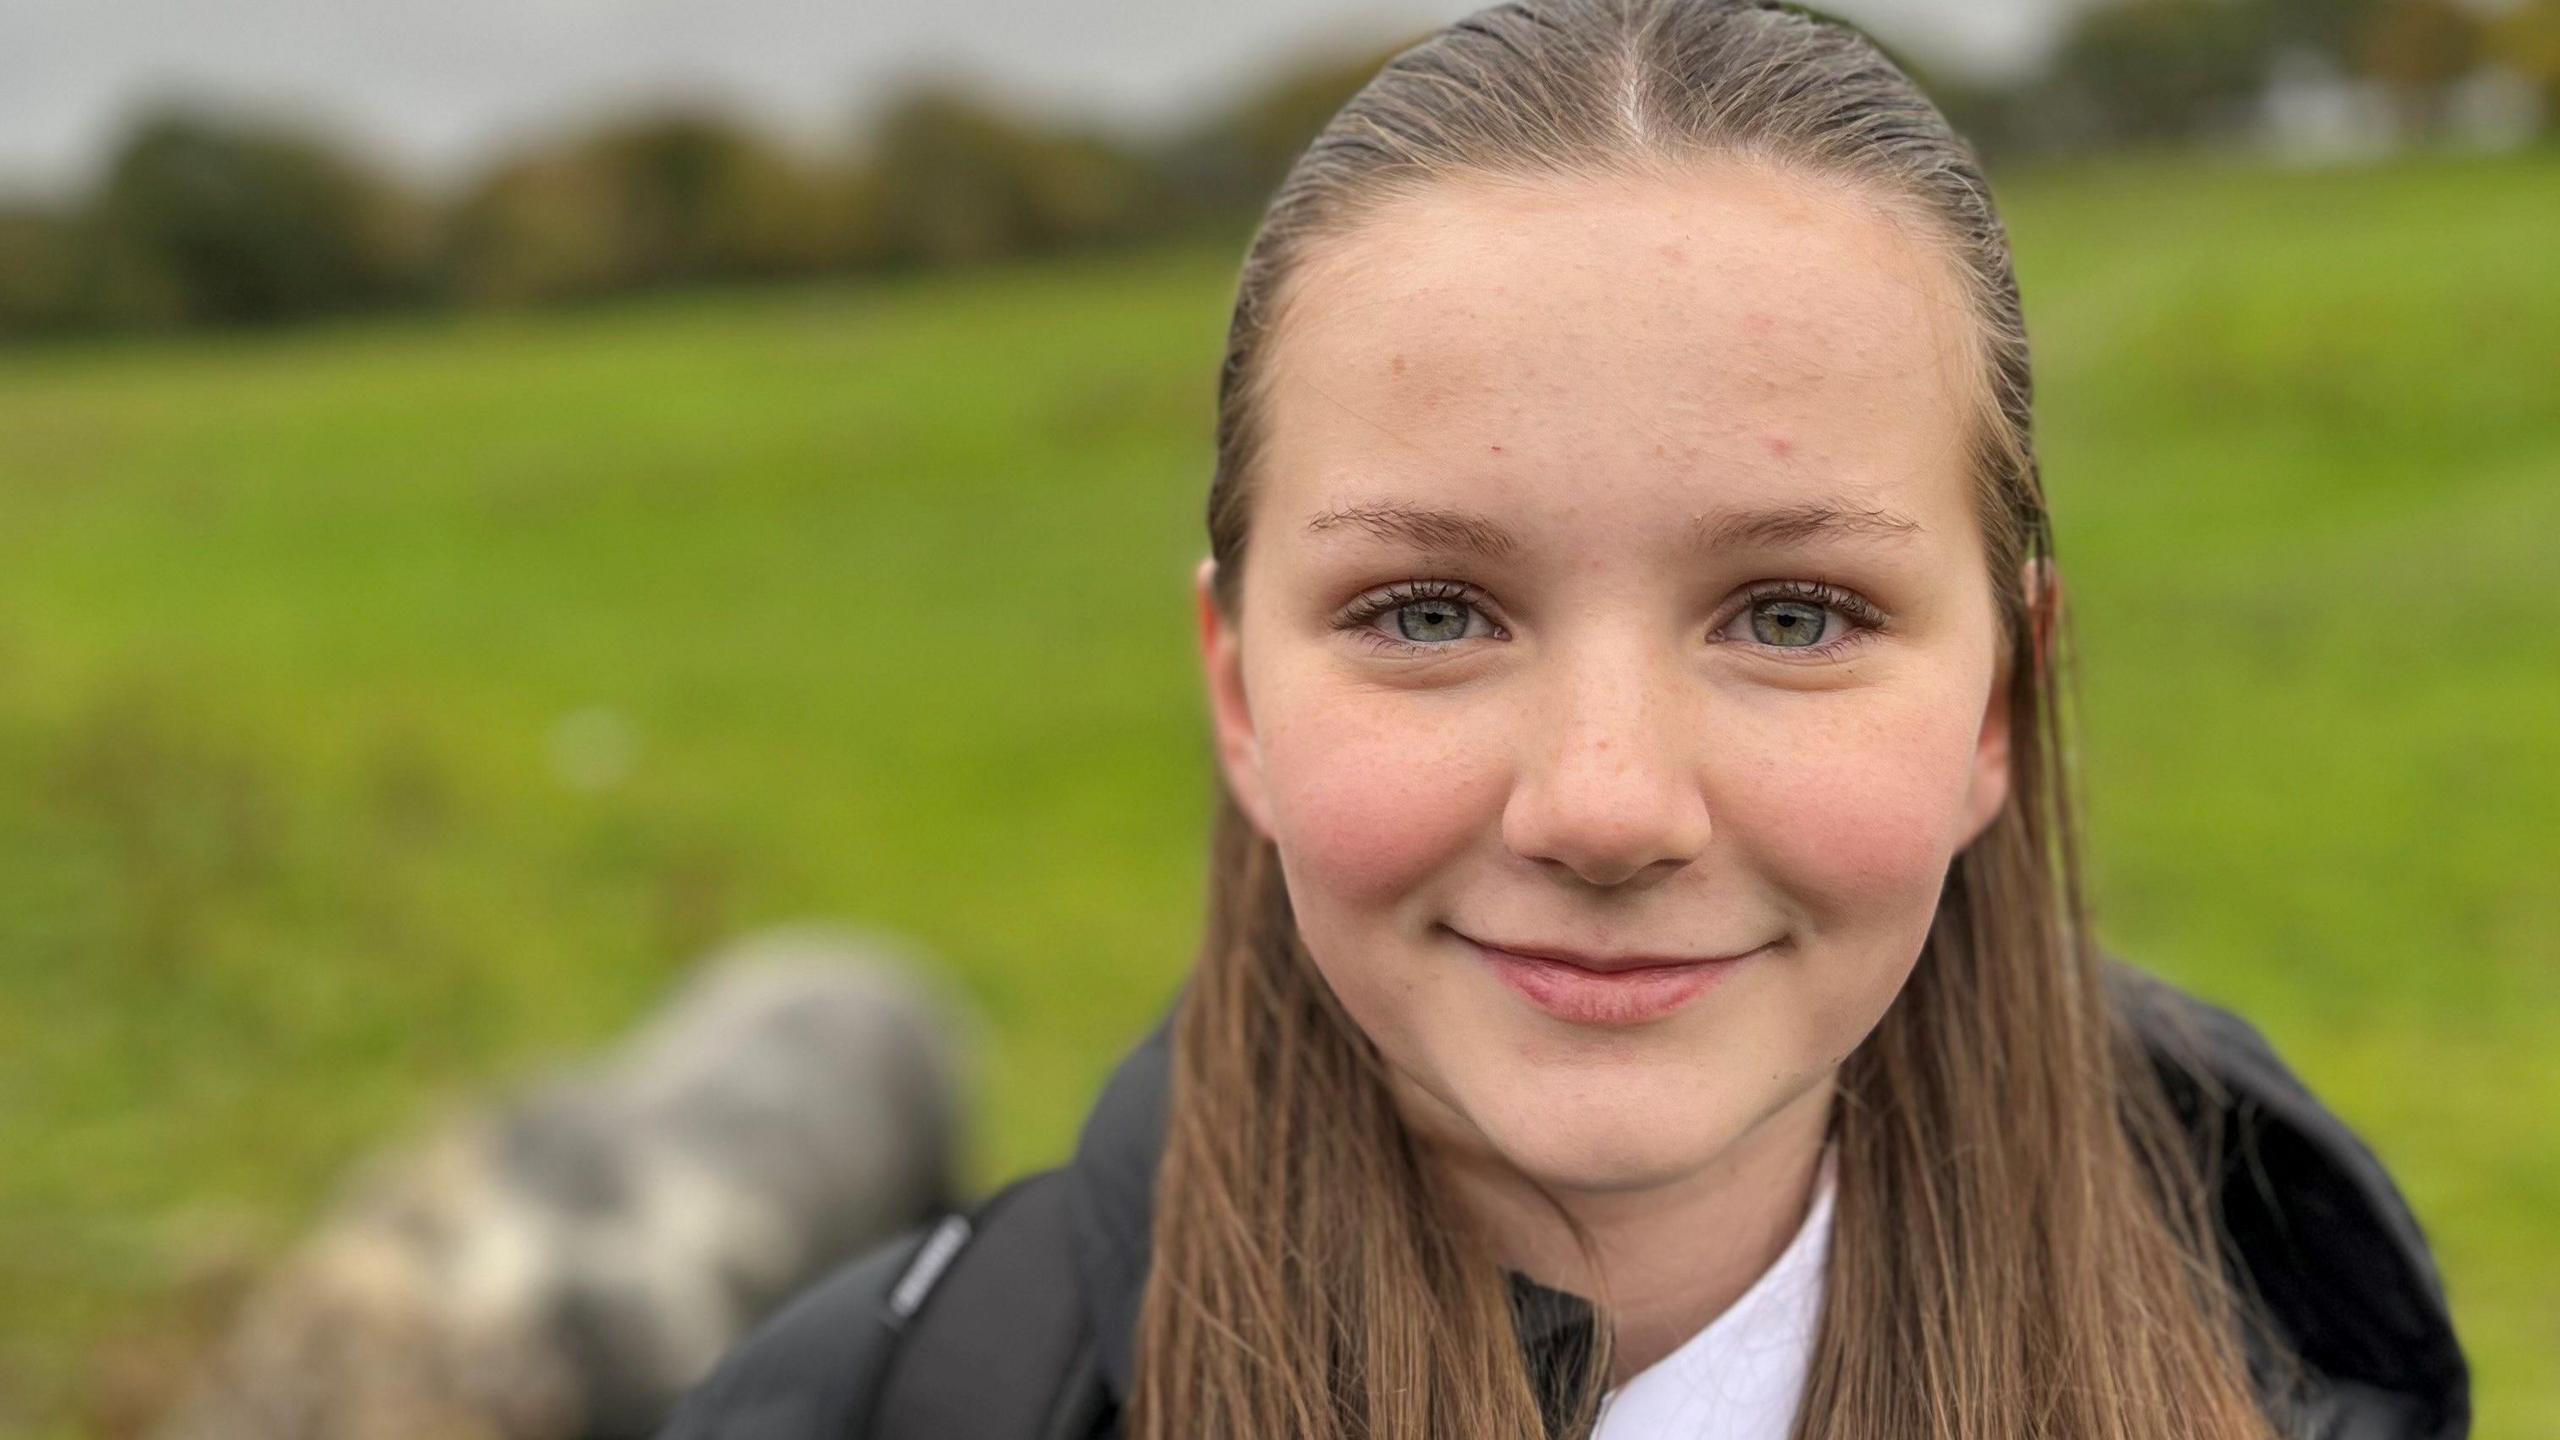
x: 1613, y: 990
x: 1602, y: 964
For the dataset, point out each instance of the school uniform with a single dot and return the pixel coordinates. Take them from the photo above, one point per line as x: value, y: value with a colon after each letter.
x: 1018, y: 1320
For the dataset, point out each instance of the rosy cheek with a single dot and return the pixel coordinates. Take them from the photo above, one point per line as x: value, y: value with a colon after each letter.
x: 1371, y: 798
x: 1859, y: 813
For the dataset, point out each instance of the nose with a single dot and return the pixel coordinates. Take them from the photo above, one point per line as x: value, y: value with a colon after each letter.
x: 1610, y: 786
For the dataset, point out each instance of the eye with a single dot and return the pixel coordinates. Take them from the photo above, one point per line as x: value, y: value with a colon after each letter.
x: 1792, y: 618
x: 1421, y: 615
x: 1797, y: 618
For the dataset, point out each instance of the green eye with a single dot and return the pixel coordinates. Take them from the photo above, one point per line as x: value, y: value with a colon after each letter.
x: 1429, y: 616
x: 1797, y: 614
x: 1432, y: 620
x: 1788, y: 624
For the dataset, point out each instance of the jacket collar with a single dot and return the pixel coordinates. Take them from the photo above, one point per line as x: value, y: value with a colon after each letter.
x: 2316, y: 1231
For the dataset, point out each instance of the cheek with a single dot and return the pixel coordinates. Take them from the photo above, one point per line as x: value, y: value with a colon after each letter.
x: 1860, y: 808
x: 1368, y: 798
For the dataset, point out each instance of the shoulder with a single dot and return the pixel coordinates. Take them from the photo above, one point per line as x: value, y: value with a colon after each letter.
x: 811, y: 1368
x: 944, y: 1322
x: 2317, y: 1233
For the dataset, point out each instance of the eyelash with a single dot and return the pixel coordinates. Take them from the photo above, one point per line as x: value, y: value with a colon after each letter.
x: 1864, y: 618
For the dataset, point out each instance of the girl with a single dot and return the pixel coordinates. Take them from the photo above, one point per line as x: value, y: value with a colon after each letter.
x: 1647, y: 990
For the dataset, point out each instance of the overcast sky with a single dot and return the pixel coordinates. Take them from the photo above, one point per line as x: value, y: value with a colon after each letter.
x: 436, y: 85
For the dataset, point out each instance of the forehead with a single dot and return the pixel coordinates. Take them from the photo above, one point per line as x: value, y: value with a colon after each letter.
x: 1651, y: 345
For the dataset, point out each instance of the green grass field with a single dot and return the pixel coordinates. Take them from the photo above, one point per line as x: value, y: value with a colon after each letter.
x: 888, y: 583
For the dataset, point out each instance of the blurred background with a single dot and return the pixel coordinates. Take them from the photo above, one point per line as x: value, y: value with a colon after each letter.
x: 498, y: 498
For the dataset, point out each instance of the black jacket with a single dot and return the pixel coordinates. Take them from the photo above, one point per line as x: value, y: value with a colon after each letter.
x: 1017, y: 1322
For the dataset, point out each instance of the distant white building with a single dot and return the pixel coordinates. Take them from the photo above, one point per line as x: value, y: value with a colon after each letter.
x: 2312, y: 111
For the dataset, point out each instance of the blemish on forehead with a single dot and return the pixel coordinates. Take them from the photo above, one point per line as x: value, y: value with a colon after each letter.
x: 1495, y: 448
x: 1779, y: 445
x: 1675, y: 254
x: 1756, y: 321
x: 1398, y: 365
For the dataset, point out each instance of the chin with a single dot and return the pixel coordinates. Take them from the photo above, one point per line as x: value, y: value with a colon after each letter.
x: 1626, y: 1128
x: 1612, y: 1144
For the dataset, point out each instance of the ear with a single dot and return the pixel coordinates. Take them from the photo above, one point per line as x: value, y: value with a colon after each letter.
x: 2042, y: 585
x: 1230, y: 716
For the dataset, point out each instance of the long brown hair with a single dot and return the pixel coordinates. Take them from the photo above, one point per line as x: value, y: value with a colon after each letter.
x: 2022, y: 1245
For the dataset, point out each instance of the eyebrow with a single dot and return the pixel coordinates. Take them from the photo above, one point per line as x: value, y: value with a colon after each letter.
x: 1801, y: 523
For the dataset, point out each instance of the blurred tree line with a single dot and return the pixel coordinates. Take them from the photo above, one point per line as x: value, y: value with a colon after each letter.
x: 201, y: 219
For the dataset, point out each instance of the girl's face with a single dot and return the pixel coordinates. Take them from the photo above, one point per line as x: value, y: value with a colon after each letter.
x: 1615, y: 592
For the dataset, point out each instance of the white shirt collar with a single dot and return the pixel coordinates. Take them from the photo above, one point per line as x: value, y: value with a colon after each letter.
x: 1742, y: 1377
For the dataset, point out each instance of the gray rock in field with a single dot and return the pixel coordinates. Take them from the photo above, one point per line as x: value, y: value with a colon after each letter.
x: 566, y: 1263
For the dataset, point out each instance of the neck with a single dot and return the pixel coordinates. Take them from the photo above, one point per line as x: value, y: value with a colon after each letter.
x: 1670, y: 1256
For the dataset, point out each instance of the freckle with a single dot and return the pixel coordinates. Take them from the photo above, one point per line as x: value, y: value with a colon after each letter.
x: 1657, y: 452
x: 1496, y: 449
x: 1399, y: 365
